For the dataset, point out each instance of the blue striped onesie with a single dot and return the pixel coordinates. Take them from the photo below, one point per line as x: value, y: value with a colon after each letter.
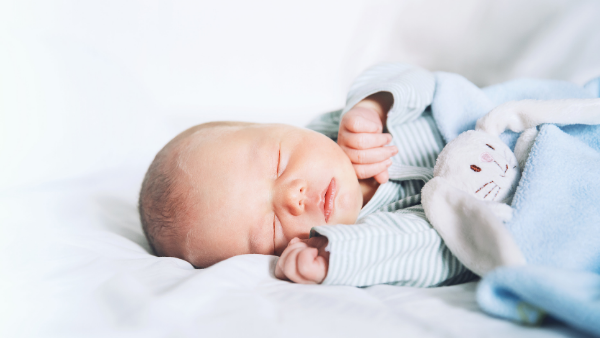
x: 392, y: 242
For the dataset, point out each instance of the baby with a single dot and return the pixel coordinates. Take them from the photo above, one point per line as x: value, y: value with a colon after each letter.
x: 223, y: 189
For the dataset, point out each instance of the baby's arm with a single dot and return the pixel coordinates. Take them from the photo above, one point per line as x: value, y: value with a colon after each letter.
x: 386, y: 93
x: 304, y: 261
x: 362, y: 139
x: 386, y: 247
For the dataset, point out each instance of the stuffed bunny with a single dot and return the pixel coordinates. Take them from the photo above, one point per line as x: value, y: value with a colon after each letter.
x: 481, y: 164
x: 476, y: 176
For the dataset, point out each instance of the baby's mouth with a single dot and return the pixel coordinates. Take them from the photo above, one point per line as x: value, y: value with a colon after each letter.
x: 329, y: 199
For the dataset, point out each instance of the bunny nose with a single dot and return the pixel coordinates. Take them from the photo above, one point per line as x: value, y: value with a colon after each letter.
x: 294, y: 197
x: 486, y: 157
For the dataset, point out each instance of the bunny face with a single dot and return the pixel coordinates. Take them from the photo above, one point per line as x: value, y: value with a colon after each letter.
x: 480, y: 164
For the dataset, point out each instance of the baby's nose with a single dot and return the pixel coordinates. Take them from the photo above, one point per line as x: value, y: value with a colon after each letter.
x: 295, y: 197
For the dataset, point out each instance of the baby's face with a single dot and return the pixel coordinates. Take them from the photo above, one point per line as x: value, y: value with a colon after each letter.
x: 257, y: 186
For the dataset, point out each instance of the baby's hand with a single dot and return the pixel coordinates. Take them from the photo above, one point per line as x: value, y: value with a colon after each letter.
x: 304, y: 261
x: 361, y: 137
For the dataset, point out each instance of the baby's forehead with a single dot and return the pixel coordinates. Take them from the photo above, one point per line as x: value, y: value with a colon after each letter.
x: 211, y: 160
x: 192, y: 142
x: 210, y: 131
x: 229, y: 136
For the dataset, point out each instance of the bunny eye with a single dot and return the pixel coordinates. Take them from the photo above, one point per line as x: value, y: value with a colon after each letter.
x: 475, y: 168
x: 490, y: 146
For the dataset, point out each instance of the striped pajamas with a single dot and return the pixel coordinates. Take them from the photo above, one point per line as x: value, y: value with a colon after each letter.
x: 392, y: 242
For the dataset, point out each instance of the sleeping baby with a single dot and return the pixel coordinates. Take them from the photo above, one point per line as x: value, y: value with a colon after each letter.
x: 338, y: 202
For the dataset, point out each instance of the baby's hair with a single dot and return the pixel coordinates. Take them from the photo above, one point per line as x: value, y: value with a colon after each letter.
x: 165, y: 202
x: 160, y: 203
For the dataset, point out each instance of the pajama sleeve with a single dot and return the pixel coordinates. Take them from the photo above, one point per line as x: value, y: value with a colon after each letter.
x: 391, y: 245
x: 412, y: 88
x: 398, y: 248
x: 327, y: 124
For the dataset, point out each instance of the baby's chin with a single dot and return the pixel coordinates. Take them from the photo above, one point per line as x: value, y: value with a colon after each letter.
x: 347, y: 206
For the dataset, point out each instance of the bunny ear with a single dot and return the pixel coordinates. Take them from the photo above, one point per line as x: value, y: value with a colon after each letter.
x: 524, y: 114
x: 524, y: 145
x: 469, y: 227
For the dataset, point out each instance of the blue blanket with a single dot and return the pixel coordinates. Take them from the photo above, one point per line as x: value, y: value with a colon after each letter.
x: 527, y: 294
x: 557, y: 205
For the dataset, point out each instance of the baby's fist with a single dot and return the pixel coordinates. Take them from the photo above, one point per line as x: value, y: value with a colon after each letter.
x: 361, y: 138
x: 304, y: 261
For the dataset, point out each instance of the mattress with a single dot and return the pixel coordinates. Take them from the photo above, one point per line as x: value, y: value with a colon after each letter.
x: 89, y: 92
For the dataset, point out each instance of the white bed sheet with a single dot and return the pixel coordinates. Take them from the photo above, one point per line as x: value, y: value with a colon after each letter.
x: 87, y: 273
x: 90, y: 91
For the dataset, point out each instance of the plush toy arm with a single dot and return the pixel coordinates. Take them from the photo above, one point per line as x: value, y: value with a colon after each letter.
x: 520, y: 115
x: 524, y: 145
x: 502, y: 211
x: 471, y: 228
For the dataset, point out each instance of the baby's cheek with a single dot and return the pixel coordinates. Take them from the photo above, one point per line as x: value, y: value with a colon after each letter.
x: 347, y: 208
x: 297, y: 227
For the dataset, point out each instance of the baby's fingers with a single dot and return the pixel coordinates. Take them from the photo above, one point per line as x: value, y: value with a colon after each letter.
x: 311, y: 266
x: 370, y: 156
x: 364, y: 171
x: 361, y: 120
x: 289, y: 269
x: 382, y: 177
x: 288, y: 259
x: 366, y: 140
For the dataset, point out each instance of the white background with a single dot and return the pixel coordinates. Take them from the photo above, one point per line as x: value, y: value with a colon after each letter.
x: 91, y: 90
x: 86, y: 85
